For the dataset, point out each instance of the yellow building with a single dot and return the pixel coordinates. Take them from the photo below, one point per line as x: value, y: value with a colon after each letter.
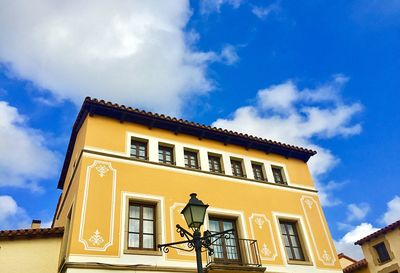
x: 382, y: 249
x: 128, y: 174
x: 350, y: 265
x: 30, y: 250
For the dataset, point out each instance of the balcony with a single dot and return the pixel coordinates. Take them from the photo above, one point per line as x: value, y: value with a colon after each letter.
x: 238, y: 255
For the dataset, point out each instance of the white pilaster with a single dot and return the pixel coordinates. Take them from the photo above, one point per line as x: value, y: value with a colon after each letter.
x: 203, y: 160
x: 179, y: 155
x: 226, y: 161
x: 153, y: 150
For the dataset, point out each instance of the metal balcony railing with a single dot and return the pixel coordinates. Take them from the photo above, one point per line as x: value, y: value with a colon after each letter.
x: 242, y: 252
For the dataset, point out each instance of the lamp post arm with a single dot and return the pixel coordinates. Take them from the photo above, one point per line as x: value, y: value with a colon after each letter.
x: 183, y: 232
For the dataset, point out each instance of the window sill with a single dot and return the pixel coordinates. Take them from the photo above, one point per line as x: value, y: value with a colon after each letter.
x: 293, y: 262
x: 143, y: 252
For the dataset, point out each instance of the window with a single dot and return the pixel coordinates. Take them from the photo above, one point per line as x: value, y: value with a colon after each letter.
x: 165, y: 154
x: 139, y: 149
x: 191, y: 160
x: 237, y: 169
x: 258, y: 172
x: 278, y: 175
x: 215, y: 163
x: 291, y: 241
x: 141, y: 226
x: 226, y: 250
x: 383, y: 255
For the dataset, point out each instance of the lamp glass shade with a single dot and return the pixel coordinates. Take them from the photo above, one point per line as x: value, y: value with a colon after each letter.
x: 194, y: 212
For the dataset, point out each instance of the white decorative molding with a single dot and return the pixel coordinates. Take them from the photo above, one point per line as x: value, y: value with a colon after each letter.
x: 266, y: 253
x: 309, y: 203
x: 87, y: 245
x: 265, y: 250
x: 96, y: 239
x: 259, y: 221
x: 325, y: 258
x: 102, y: 169
x: 126, y: 160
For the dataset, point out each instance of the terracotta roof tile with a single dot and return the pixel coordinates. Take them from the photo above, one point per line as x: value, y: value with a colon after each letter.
x: 379, y: 233
x: 357, y: 265
x: 31, y: 232
x: 166, y: 117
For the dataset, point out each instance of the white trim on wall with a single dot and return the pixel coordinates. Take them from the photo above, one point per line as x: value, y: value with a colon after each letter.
x: 126, y: 197
x: 203, y: 152
x: 325, y: 258
x: 190, y: 171
x: 304, y: 234
x: 84, y: 204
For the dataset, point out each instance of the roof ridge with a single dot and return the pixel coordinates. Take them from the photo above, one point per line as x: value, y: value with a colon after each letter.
x: 381, y: 231
x: 180, y: 120
x: 31, y: 232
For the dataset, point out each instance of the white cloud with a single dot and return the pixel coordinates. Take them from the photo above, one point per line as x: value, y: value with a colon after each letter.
x: 209, y: 6
x: 229, y: 55
x: 357, y: 212
x: 132, y: 52
x: 11, y: 215
x: 263, y: 12
x: 346, y: 243
x: 393, y: 211
x: 325, y: 192
x: 20, y: 149
x: 286, y: 113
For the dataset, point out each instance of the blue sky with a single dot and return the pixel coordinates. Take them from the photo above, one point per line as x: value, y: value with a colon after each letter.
x: 321, y: 74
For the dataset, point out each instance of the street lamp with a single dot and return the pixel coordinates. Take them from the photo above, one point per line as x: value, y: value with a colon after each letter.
x: 194, y: 213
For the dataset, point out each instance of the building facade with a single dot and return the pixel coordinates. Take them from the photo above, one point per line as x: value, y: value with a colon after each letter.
x: 128, y: 174
x: 382, y: 249
x: 30, y: 250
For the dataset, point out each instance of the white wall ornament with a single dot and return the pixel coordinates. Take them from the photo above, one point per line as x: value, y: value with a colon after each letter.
x: 309, y: 203
x: 102, y: 169
x: 326, y: 257
x: 265, y: 250
x: 96, y: 238
x: 261, y: 225
x: 97, y: 241
x: 259, y: 221
x: 312, y: 212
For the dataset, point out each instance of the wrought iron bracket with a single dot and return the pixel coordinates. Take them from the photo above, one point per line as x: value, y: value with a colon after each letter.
x: 206, y: 241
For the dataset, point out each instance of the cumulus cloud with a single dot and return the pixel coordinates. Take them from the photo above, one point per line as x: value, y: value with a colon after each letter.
x: 209, y: 6
x: 357, y: 212
x: 287, y: 113
x: 393, y: 211
x: 132, y: 52
x: 20, y: 148
x: 346, y: 243
x: 11, y: 215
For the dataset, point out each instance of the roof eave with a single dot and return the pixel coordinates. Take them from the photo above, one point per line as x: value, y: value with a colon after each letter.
x: 124, y: 114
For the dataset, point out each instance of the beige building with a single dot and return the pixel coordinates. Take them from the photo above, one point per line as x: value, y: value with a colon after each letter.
x: 30, y: 250
x: 381, y: 250
x: 128, y: 174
